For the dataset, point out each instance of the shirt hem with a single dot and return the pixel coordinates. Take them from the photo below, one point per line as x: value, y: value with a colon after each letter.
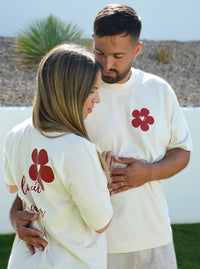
x: 128, y: 247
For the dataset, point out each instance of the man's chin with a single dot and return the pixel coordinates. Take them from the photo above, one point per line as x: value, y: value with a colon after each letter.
x: 109, y: 80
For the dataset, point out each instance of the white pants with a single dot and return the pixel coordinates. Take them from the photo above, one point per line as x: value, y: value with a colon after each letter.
x: 156, y: 258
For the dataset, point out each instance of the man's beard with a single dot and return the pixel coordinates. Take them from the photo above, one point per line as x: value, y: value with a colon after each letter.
x: 119, y: 77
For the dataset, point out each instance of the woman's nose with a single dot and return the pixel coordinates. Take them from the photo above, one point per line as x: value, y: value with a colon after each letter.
x: 96, y: 98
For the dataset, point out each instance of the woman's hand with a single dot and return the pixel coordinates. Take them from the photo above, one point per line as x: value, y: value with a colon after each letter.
x: 109, y: 159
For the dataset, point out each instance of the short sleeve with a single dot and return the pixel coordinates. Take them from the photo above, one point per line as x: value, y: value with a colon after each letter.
x: 180, y: 134
x: 88, y: 186
x: 8, y: 176
x: 7, y: 173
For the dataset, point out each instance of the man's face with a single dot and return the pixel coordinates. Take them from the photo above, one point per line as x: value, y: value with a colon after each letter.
x: 115, y: 54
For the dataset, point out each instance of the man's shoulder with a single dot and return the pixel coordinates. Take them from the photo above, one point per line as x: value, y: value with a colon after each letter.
x: 152, y: 81
x: 155, y: 85
x: 145, y: 77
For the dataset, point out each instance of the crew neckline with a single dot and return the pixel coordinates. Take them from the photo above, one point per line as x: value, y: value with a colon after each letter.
x: 121, y: 86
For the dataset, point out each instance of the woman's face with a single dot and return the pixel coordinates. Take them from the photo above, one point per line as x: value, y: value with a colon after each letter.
x: 93, y: 98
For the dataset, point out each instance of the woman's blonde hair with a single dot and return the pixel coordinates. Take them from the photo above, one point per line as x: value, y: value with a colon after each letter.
x: 66, y: 76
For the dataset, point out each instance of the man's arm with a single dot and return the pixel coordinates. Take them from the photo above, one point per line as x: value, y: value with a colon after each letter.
x: 138, y: 173
x: 20, y: 221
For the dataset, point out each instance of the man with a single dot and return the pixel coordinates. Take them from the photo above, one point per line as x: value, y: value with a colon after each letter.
x: 140, y: 126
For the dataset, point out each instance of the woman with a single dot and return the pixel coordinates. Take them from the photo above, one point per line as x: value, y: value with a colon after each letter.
x: 57, y: 171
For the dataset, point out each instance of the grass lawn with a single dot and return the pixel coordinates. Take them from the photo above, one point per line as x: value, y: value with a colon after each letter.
x: 186, y: 240
x: 5, y: 247
x: 187, y: 245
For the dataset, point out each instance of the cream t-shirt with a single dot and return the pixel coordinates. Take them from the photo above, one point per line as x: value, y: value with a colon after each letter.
x: 62, y: 179
x: 141, y: 119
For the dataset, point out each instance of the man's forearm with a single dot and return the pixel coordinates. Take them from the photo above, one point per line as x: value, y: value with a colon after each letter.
x: 16, y: 206
x: 174, y: 161
x: 137, y: 173
x: 20, y: 221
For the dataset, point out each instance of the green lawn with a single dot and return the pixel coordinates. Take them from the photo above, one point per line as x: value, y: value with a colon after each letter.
x: 5, y: 247
x: 187, y: 245
x: 186, y: 240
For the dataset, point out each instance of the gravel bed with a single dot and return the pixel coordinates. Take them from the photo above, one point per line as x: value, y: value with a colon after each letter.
x: 17, y: 86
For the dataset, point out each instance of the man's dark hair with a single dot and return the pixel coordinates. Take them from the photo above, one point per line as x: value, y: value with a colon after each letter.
x: 115, y: 19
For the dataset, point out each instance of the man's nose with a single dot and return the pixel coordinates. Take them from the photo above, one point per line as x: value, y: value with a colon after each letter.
x: 107, y: 63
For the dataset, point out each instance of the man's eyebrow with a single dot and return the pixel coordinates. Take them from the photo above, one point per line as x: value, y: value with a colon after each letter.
x: 98, y: 49
x: 116, y: 53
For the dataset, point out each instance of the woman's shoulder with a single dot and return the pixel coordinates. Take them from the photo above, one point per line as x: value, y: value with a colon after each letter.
x: 19, y: 129
x: 73, y: 149
x: 80, y: 143
x: 76, y: 142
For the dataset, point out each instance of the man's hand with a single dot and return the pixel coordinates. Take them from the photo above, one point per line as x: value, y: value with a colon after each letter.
x: 20, y: 221
x: 32, y: 237
x: 135, y: 174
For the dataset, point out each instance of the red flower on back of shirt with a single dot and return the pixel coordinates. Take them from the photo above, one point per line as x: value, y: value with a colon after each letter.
x: 39, y: 171
x: 142, y: 119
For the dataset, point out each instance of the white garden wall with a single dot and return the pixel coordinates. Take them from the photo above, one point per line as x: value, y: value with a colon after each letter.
x: 162, y: 20
x: 182, y: 191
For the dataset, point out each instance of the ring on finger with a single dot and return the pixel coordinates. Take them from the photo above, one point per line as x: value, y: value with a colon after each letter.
x: 122, y: 183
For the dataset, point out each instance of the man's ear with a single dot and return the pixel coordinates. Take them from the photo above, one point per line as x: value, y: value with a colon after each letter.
x: 93, y: 40
x: 137, y: 48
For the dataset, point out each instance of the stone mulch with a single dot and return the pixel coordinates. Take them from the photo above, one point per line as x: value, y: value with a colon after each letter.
x: 17, y: 86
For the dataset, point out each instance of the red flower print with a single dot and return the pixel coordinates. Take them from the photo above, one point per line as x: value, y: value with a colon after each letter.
x: 142, y: 119
x: 39, y: 171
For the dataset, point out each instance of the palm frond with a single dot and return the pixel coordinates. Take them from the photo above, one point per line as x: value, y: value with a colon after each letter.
x: 38, y: 38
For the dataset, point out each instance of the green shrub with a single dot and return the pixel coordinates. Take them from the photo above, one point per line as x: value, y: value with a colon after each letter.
x: 87, y: 43
x: 38, y: 38
x: 163, y: 55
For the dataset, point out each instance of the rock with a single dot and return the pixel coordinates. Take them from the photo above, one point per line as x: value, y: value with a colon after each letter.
x: 182, y: 72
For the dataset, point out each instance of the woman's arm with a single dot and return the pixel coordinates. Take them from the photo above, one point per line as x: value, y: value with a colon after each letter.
x: 12, y: 188
x: 104, y: 228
